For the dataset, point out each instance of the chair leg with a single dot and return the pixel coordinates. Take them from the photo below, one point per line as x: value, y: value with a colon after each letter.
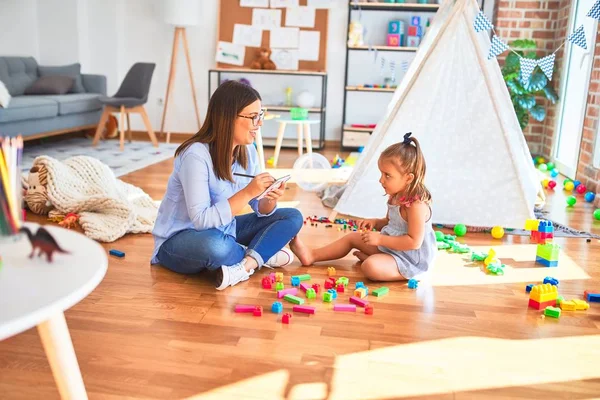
x: 148, y: 126
x: 122, y: 128
x: 299, y: 131
x: 280, y: 133
x: 101, y: 124
x: 308, y: 137
x: 128, y: 128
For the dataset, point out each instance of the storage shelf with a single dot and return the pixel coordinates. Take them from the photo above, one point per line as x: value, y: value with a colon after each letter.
x: 384, y: 48
x: 363, y: 5
x: 267, y: 71
x: 364, y: 89
x: 356, y: 129
x: 285, y: 108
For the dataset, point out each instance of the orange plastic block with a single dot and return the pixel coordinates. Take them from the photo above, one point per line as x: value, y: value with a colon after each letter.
x: 278, y: 276
x: 330, y: 271
x: 543, y: 293
x: 361, y: 293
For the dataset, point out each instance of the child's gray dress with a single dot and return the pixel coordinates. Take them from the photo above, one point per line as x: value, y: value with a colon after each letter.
x: 411, y: 262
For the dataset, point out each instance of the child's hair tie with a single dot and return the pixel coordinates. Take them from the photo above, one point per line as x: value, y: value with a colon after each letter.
x: 407, y: 138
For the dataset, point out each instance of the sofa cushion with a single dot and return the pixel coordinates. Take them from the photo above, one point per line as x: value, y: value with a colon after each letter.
x: 76, y: 103
x: 72, y: 70
x: 51, y: 85
x: 18, y: 73
x: 28, y: 107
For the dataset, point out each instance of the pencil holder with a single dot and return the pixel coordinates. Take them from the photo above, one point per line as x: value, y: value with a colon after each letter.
x: 11, y: 198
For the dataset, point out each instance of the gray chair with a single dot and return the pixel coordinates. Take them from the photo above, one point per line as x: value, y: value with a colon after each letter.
x: 130, y: 98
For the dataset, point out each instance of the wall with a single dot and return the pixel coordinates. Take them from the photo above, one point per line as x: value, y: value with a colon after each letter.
x: 18, y: 19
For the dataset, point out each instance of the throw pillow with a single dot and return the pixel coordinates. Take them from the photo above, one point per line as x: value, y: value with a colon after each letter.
x: 4, y: 96
x: 72, y: 70
x: 51, y: 84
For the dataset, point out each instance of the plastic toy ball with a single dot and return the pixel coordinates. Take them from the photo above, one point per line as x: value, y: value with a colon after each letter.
x: 540, y: 160
x: 545, y: 182
x: 552, y: 185
x: 543, y: 167
x: 550, y: 166
x: 589, y: 197
x: 554, y: 173
x: 460, y: 230
x: 576, y: 184
x: 581, y: 189
x: 497, y: 232
x: 569, y: 186
x: 571, y: 200
x: 597, y: 214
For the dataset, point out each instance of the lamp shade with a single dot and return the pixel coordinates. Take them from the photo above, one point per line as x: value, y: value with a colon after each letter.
x: 182, y: 12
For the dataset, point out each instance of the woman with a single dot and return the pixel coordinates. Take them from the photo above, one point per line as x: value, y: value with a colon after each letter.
x: 196, y: 228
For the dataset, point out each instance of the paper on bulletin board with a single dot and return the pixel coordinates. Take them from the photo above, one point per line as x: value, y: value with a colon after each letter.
x: 319, y: 3
x: 254, y: 3
x: 286, y: 38
x: 303, y: 17
x: 309, y: 43
x: 247, y: 35
x: 230, y: 53
x: 284, y: 3
x: 266, y: 19
x: 286, y: 59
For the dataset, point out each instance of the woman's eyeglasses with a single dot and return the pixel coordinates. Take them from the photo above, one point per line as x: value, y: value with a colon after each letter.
x: 255, y: 118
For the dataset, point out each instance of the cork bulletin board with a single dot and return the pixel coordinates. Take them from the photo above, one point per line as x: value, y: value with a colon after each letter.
x: 232, y: 13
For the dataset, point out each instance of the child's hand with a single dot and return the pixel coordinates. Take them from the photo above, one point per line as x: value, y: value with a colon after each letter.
x: 367, y: 224
x: 371, y: 238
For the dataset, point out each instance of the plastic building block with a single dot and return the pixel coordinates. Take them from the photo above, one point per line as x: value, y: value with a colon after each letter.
x: 540, y: 306
x: 382, y: 291
x: 495, y: 268
x: 327, y: 297
x: 568, y: 305
x: 257, y: 311
x: 244, y: 308
x: 529, y: 287
x: 333, y: 293
x: 559, y: 300
x: 359, y: 285
x: 304, y: 287
x: 395, y: 27
x: 344, y: 307
x: 475, y: 256
x: 532, y: 224
x: 413, y: 41
x: 413, y: 283
x: 543, y: 293
x: 490, y: 258
x: 552, y: 312
x: 311, y: 294
x: 277, y: 307
x: 393, y: 40
x: 329, y: 285
x: 340, y: 288
x: 358, y: 301
x: 593, y: 297
x: 415, y: 30
x: 116, y: 253
x: 281, y: 293
x: 272, y: 277
x: 361, y: 293
x: 316, y: 287
x: 286, y: 319
x: 343, y: 280
x: 293, y: 299
x: 295, y: 281
x: 302, y: 278
x: 580, y: 304
x: 442, y: 246
x: 279, y: 286
x: 266, y: 283
x: 304, y: 309
x: 330, y: 271
x: 278, y: 276
x: 549, y: 251
x: 369, y: 309
x: 551, y: 280
x: 545, y: 227
x: 545, y: 262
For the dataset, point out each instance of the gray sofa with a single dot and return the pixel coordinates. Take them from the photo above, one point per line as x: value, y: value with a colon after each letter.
x: 46, y: 115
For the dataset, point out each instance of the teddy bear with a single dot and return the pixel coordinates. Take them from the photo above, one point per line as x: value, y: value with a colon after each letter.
x: 263, y: 60
x: 355, y: 34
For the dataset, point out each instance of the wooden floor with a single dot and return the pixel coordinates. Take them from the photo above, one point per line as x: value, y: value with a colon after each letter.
x: 146, y: 332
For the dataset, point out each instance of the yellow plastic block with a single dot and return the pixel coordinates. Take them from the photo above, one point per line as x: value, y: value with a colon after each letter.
x: 580, y: 304
x: 490, y: 258
x: 568, y: 305
x: 532, y: 224
x: 278, y: 276
x: 543, y: 293
x: 330, y: 271
x: 360, y: 293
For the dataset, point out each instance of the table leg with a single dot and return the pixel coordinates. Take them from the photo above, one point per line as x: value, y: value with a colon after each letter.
x: 299, y: 130
x: 61, y: 357
x: 308, y: 138
x: 280, y: 133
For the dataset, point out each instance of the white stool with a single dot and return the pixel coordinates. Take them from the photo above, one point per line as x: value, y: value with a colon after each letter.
x: 300, y: 123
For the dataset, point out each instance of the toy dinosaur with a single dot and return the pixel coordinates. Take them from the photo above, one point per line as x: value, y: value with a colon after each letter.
x: 43, y: 241
x: 69, y: 221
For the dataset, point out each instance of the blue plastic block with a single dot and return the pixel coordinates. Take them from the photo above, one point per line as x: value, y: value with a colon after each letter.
x: 413, y: 283
x: 545, y: 227
x: 116, y: 253
x: 277, y: 307
x: 593, y: 297
x: 551, y: 280
x: 545, y: 262
x: 359, y: 285
x: 333, y: 293
x: 415, y: 21
x: 529, y: 287
x: 295, y: 281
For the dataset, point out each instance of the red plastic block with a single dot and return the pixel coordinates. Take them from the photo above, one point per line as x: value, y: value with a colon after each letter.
x: 240, y: 308
x: 304, y: 309
x: 358, y: 301
x: 328, y: 285
x: 304, y: 286
x: 541, y: 306
x: 331, y: 279
x: 317, y: 287
x: 266, y: 283
x: 257, y: 311
x: 340, y: 288
x: 369, y: 309
x: 286, y: 319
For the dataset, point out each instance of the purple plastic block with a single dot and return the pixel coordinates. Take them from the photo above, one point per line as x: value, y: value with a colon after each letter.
x: 358, y: 301
x: 293, y: 291
x: 344, y: 307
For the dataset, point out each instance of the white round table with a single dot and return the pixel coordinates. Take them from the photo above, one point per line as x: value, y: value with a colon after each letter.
x: 34, y: 292
x: 302, y: 125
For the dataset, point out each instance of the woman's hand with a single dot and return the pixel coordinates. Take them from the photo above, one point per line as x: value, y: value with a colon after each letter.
x: 258, y: 184
x: 367, y: 224
x: 371, y: 238
x: 275, y: 194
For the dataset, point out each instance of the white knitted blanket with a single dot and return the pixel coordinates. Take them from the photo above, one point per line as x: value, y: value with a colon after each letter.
x: 108, y: 207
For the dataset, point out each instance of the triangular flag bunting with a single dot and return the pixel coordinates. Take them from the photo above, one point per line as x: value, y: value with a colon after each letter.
x: 595, y: 11
x: 578, y: 37
x: 498, y: 47
x: 547, y: 65
x: 527, y: 67
x: 482, y: 23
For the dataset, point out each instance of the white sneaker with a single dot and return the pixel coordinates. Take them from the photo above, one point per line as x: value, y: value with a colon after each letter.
x: 282, y: 258
x: 232, y: 275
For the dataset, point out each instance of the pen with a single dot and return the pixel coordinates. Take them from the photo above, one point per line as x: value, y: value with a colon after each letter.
x: 247, y: 176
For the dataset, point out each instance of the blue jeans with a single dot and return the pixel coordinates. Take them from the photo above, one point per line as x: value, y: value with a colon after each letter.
x: 192, y: 251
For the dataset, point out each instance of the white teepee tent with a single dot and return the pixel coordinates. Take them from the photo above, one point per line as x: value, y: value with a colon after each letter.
x: 455, y: 102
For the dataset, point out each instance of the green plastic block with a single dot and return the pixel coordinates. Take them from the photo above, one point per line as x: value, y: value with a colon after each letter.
x: 450, y: 238
x: 327, y: 297
x: 305, y: 277
x: 553, y: 312
x: 293, y: 299
x: 343, y: 280
x: 495, y: 269
x: 439, y: 236
x: 559, y: 300
x: 279, y: 286
x: 475, y: 256
x: 381, y: 291
x: 548, y: 251
x: 310, y: 293
x: 442, y: 246
x: 460, y: 248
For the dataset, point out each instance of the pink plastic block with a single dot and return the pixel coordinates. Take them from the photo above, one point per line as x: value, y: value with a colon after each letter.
x: 272, y: 276
x: 304, y: 286
x: 344, y: 307
x: 244, y: 308
x: 304, y: 309
x: 292, y: 291
x: 358, y: 301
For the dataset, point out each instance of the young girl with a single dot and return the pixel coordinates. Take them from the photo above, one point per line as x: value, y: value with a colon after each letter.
x: 404, y: 244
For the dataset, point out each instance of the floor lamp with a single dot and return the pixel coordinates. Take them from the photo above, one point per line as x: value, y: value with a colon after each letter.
x: 180, y: 13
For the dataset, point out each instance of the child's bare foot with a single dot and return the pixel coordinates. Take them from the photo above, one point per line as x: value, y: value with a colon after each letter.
x: 360, y: 255
x: 303, y: 253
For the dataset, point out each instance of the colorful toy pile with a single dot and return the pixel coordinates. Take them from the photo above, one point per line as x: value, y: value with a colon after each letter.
x: 542, y: 233
x: 545, y: 297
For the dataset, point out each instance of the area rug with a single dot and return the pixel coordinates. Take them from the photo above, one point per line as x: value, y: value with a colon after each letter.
x: 136, y: 155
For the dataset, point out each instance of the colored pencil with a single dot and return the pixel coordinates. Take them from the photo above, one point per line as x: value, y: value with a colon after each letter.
x: 11, y: 155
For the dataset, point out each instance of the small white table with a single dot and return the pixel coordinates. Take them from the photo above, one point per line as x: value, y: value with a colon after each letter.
x: 301, y: 123
x: 34, y: 292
